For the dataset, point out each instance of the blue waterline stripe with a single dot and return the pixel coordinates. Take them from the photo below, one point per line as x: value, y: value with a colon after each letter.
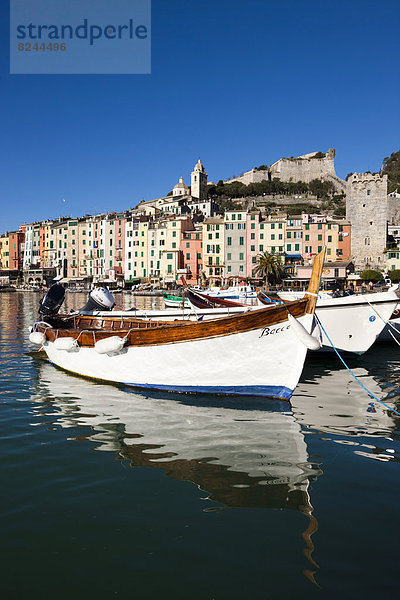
x: 270, y: 391
x: 279, y: 392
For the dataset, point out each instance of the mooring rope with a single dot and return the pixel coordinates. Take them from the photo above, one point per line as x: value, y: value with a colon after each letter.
x: 397, y: 342
x: 371, y: 395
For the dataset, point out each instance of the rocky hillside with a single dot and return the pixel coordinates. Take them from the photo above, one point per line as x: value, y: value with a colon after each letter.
x: 391, y: 167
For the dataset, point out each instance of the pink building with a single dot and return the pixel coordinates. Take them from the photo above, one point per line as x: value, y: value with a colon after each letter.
x: 191, y: 253
x: 119, y: 241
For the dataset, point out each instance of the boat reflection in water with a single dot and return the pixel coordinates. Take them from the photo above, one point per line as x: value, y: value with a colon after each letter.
x: 329, y: 400
x: 242, y: 452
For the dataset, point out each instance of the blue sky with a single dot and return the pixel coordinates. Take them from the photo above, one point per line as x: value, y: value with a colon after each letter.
x: 236, y: 83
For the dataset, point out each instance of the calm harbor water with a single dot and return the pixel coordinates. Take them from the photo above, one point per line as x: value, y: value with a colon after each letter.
x: 107, y: 492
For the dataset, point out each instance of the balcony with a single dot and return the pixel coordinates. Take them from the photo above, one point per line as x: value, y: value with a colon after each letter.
x: 214, y: 263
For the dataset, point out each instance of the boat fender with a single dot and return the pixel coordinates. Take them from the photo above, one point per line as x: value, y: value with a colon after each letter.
x: 66, y: 343
x: 302, y: 334
x: 316, y: 332
x: 37, y: 337
x: 109, y: 345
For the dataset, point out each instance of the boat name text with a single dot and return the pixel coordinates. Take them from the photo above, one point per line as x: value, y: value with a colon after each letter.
x: 268, y: 330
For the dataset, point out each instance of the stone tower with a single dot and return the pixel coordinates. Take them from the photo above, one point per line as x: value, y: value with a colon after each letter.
x: 367, y: 210
x: 199, y: 182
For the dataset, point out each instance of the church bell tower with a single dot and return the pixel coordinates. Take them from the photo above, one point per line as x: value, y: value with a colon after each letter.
x: 199, y: 182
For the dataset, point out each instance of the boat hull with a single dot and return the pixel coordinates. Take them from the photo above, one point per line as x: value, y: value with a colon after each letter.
x: 354, y: 323
x: 175, y: 303
x: 266, y: 361
x: 391, y: 331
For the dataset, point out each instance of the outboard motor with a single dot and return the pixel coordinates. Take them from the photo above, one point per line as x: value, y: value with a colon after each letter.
x: 99, y: 299
x: 51, y: 302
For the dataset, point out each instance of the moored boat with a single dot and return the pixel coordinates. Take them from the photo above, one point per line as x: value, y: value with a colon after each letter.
x: 171, y: 301
x: 297, y: 295
x: 203, y: 301
x: 238, y: 292
x: 354, y: 323
x: 259, y: 352
x: 391, y: 331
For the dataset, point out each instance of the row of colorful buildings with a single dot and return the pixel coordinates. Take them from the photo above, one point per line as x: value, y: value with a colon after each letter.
x: 140, y: 246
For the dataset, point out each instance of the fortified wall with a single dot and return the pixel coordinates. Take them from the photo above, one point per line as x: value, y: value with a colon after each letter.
x: 368, y: 210
x: 303, y: 168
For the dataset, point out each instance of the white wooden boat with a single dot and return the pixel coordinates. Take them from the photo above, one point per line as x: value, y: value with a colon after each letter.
x: 260, y: 352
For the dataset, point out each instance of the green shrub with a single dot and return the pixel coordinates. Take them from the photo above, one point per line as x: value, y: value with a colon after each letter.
x: 394, y: 275
x: 371, y: 275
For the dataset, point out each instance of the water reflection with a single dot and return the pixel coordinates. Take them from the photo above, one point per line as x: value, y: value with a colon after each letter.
x: 242, y: 452
x: 328, y: 399
x: 241, y: 457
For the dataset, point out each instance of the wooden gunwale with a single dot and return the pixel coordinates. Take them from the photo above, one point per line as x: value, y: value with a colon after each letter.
x: 151, y: 333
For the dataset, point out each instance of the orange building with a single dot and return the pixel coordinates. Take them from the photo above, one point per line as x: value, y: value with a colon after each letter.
x: 335, y: 234
x: 16, y: 240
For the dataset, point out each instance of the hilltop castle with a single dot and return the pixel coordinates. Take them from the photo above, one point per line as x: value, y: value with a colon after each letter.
x: 307, y: 167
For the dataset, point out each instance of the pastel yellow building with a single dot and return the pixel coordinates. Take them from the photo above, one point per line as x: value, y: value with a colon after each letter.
x: 213, y: 248
x: 164, y: 248
x: 393, y: 260
x: 272, y: 234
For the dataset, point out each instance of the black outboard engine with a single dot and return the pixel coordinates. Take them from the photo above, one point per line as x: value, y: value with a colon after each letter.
x: 99, y: 299
x: 51, y: 302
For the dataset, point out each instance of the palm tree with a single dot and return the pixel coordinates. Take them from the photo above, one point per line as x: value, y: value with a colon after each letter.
x: 269, y: 267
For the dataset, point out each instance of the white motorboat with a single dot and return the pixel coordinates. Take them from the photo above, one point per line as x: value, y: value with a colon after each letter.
x: 171, y: 301
x: 391, y: 331
x: 291, y: 295
x: 354, y: 323
x: 239, y: 292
